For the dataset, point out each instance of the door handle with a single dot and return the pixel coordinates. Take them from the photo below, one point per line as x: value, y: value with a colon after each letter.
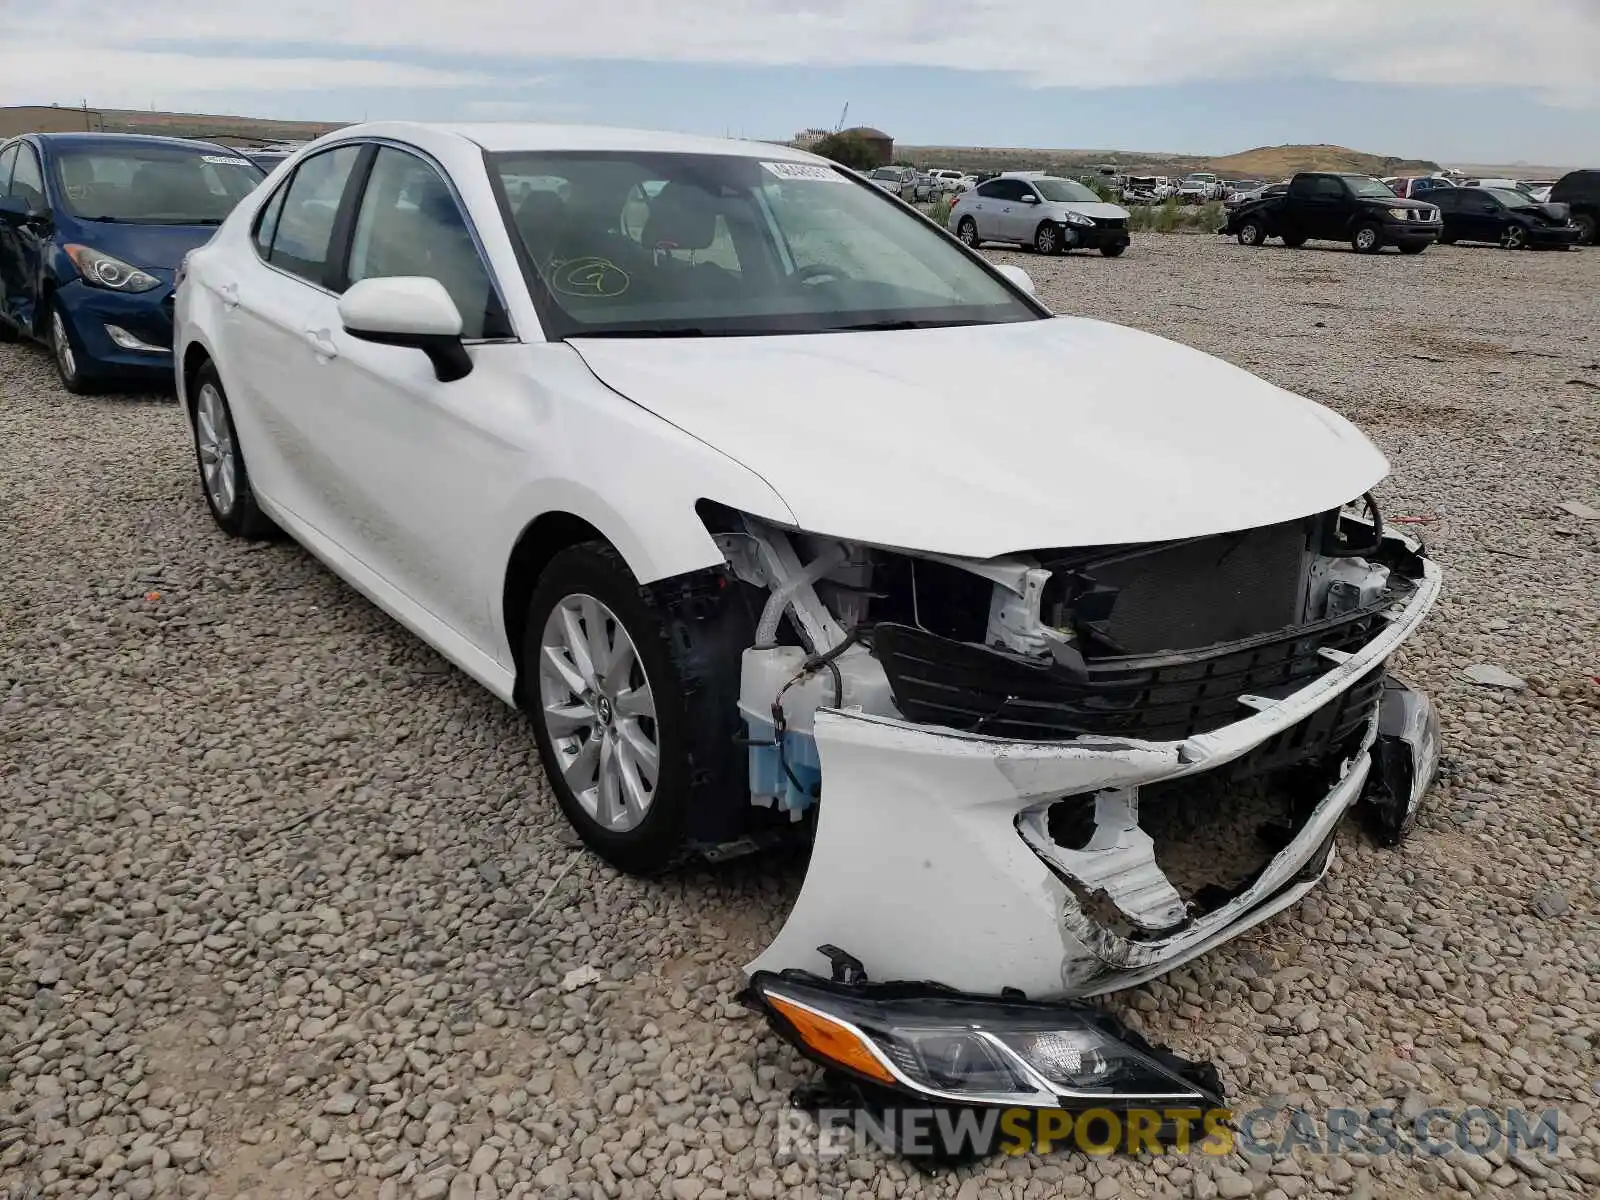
x: 322, y: 343
x: 230, y: 295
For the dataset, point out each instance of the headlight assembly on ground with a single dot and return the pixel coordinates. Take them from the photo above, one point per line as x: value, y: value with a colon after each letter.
x: 929, y: 1041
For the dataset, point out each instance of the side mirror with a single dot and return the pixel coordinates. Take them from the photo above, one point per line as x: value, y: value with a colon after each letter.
x: 1017, y: 276
x: 408, y: 311
x: 1030, y: 198
x: 14, y: 210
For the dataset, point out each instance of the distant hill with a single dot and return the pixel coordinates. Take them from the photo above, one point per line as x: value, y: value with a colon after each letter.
x: 1279, y: 162
x: 44, y: 118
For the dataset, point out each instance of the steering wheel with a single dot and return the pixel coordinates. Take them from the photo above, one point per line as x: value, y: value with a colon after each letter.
x: 812, y: 272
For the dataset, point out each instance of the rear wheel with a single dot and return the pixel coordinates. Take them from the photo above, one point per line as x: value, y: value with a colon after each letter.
x: 223, y: 475
x: 967, y: 231
x: 1366, y: 239
x: 1252, y: 233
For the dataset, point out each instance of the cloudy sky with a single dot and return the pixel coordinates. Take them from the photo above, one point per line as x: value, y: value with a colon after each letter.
x: 1456, y: 80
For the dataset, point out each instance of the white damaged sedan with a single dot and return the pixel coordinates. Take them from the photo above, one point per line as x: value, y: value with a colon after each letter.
x: 783, y: 514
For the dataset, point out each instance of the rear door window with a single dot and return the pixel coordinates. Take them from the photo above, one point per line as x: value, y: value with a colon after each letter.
x: 267, y: 221
x: 305, y: 223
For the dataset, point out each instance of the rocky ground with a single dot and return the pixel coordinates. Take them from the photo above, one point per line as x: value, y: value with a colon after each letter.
x: 287, y: 910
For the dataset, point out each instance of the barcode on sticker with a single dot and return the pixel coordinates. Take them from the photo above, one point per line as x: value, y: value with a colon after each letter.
x: 220, y: 158
x: 799, y: 170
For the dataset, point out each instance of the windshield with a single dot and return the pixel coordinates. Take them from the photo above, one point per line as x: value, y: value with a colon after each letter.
x: 1510, y: 198
x: 1369, y: 187
x: 639, y: 243
x: 152, y: 184
x: 1065, y: 191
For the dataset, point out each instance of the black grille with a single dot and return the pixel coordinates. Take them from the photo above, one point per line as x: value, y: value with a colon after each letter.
x: 1163, y: 697
x: 1332, y: 725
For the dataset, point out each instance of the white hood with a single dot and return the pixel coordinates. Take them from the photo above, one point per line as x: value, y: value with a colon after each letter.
x: 981, y: 440
x: 1096, y: 209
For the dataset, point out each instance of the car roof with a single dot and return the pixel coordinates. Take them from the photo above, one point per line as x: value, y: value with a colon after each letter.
x: 510, y: 137
x: 123, y: 139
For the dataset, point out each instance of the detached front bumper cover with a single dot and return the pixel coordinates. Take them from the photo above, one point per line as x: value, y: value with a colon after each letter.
x: 933, y: 857
x: 954, y: 1048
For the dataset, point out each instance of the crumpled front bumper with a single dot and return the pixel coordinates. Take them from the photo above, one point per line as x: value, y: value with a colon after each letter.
x: 930, y: 859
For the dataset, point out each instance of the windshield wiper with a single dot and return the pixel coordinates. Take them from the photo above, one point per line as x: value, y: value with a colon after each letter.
x: 872, y: 326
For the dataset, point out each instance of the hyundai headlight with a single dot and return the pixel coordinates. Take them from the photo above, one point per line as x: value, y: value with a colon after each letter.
x: 1077, y: 218
x: 99, y: 269
x: 965, y: 1049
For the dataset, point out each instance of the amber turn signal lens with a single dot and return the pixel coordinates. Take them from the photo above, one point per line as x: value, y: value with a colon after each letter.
x: 833, y: 1041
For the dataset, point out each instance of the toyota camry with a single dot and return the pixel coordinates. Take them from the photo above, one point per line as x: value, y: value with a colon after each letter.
x: 784, y: 515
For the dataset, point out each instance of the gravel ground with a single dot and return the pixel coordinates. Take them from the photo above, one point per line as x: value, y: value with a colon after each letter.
x: 286, y: 909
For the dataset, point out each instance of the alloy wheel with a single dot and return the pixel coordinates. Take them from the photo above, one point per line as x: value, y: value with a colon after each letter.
x: 62, y: 345
x: 219, y: 459
x: 1516, y: 238
x: 968, y: 232
x: 1046, y: 240
x: 599, y: 712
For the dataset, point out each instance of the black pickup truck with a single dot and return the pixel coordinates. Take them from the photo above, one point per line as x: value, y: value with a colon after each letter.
x: 1353, y: 208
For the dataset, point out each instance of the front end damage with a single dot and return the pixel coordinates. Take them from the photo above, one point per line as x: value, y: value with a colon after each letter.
x: 1065, y: 772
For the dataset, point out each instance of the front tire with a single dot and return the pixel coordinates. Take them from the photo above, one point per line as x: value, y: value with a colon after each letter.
x: 1588, y: 228
x: 68, y: 369
x: 1515, y: 238
x: 635, y: 709
x: 224, y: 478
x: 1252, y: 233
x: 1047, y: 239
x: 967, y: 231
x: 1366, y: 239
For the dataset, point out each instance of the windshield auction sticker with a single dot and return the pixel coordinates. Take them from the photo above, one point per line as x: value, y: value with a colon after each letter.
x: 218, y: 158
x: 799, y: 170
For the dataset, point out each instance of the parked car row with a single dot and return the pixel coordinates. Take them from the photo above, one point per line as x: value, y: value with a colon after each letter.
x: 94, y: 226
x: 1372, y: 213
x: 909, y: 183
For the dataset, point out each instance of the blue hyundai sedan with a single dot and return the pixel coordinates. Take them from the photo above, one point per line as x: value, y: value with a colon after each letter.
x: 93, y: 227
